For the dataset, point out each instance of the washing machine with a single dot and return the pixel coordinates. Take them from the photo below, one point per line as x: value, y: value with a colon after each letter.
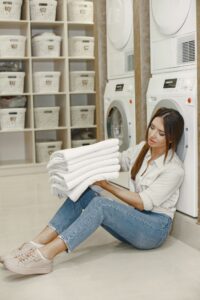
x: 178, y: 91
x: 119, y: 111
x: 119, y: 25
x: 172, y: 35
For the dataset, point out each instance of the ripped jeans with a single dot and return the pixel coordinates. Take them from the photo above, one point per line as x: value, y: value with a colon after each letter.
x: 76, y: 221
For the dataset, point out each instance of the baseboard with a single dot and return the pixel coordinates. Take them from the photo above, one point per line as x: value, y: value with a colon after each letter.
x: 187, y: 230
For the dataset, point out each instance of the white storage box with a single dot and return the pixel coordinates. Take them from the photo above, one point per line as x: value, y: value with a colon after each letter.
x: 45, y: 149
x: 12, y: 118
x: 46, y: 82
x: 46, y: 45
x: 12, y: 45
x: 82, y: 81
x: 80, y: 143
x: 12, y: 82
x: 10, y: 9
x: 81, y: 46
x: 46, y: 117
x: 82, y: 115
x: 80, y: 11
x: 41, y: 10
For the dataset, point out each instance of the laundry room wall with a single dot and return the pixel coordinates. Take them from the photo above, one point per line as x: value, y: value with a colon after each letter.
x: 100, y: 19
x: 142, y: 63
x: 198, y: 96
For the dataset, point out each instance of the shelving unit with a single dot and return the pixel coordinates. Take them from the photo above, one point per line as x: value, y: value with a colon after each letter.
x: 18, y: 147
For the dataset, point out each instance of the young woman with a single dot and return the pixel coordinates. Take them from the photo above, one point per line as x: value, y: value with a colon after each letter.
x: 144, y: 218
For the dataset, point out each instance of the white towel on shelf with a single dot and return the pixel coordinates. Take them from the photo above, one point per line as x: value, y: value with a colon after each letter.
x: 62, y: 164
x: 70, y: 184
x: 90, y: 166
x: 76, y: 192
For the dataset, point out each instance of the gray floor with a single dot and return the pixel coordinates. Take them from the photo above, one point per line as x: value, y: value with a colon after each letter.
x: 101, y: 268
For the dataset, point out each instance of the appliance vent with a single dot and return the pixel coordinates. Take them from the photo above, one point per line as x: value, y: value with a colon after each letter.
x: 186, y: 50
x: 129, y: 65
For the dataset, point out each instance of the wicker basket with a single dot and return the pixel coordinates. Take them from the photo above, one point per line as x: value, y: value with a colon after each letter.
x: 80, y: 143
x: 12, y: 82
x: 41, y: 10
x: 46, y: 45
x: 10, y: 10
x: 82, y: 115
x: 12, y: 45
x: 82, y: 46
x: 82, y: 81
x: 12, y: 118
x: 46, y: 117
x: 80, y: 11
x: 45, y: 149
x: 46, y: 82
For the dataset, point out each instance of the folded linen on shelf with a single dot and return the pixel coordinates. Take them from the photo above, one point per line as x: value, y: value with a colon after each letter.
x: 76, y: 192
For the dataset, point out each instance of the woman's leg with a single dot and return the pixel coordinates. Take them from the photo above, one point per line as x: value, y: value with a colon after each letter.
x: 141, y: 229
x: 64, y: 217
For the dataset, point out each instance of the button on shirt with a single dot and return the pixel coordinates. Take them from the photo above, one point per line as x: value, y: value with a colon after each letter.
x: 157, y: 183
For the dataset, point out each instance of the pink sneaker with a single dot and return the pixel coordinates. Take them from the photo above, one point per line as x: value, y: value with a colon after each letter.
x: 29, y: 263
x: 24, y: 247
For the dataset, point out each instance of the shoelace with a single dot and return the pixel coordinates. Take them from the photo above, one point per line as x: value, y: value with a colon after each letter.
x: 28, y: 257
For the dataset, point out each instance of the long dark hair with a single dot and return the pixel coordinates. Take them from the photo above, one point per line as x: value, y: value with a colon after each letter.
x: 173, y: 127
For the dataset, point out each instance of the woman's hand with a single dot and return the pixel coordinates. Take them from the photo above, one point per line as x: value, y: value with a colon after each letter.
x: 102, y: 183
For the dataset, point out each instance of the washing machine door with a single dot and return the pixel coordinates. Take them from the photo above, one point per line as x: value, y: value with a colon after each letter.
x: 183, y: 144
x: 119, y: 22
x: 170, y: 15
x: 117, y: 124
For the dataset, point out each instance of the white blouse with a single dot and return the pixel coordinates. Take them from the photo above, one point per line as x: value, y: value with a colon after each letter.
x: 157, y: 184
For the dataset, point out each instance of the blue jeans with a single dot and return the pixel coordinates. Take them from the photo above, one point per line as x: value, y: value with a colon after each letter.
x: 76, y: 221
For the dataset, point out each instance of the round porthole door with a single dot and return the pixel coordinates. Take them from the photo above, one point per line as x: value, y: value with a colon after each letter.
x: 170, y: 15
x: 117, y: 124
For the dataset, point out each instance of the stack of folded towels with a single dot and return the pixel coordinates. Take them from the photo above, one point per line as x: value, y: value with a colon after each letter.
x: 72, y: 171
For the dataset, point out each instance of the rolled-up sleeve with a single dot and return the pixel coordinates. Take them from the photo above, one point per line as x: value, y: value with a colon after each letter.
x: 167, y: 183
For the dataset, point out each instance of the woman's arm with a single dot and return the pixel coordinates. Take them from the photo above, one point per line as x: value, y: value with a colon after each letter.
x: 126, y: 196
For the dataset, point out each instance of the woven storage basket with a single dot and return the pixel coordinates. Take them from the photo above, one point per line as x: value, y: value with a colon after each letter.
x: 12, y: 45
x: 12, y: 118
x: 80, y: 11
x: 80, y: 143
x: 81, y: 46
x: 46, y: 82
x: 46, y: 117
x: 82, y: 115
x: 10, y: 10
x: 82, y: 81
x: 46, y: 45
x: 12, y: 82
x: 45, y: 149
x: 41, y: 10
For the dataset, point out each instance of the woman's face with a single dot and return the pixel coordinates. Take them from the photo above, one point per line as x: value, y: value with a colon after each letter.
x: 156, y: 134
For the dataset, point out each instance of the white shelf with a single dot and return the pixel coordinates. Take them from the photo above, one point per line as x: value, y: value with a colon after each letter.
x: 19, y: 145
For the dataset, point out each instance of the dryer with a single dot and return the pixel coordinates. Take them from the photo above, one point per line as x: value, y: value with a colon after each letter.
x: 119, y: 25
x: 119, y: 111
x: 178, y: 91
x: 172, y: 35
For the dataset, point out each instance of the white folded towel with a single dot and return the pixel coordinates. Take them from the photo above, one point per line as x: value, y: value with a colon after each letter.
x: 70, y: 184
x: 61, y: 163
x: 69, y: 154
x: 63, y: 168
x: 75, y: 193
x: 90, y: 166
